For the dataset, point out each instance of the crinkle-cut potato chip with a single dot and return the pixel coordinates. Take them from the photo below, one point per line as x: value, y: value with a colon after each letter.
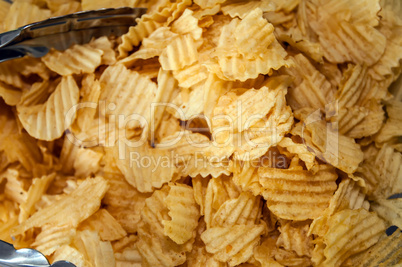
x: 245, y: 176
x: 105, y: 224
x: 297, y: 194
x: 350, y: 232
x: 70, y: 209
x: 242, y: 9
x: 4, y: 8
x: 155, y: 248
x: 218, y: 191
x: 187, y: 24
x: 35, y: 192
x: 72, y: 254
x: 124, y: 202
x: 91, y: 5
x: 127, y: 93
x: 387, y: 252
x: 392, y: 128
x: 53, y: 237
x: 65, y: 7
x: 286, y: 6
x: 204, y: 4
x: 128, y: 257
x: 253, y: 34
x: 228, y: 63
x: 191, y: 75
x: 344, y: 41
x: 184, y: 212
x: 390, y: 210
x: 22, y: 13
x: 135, y: 35
x: 234, y: 244
x: 10, y: 95
x: 310, y: 87
x: 301, y: 151
x: 144, y: 167
x: 245, y: 209
x: 48, y: 121
x: 365, y: 12
x: 294, y: 236
x: 382, y: 173
x: 75, y: 60
x: 99, y: 253
x: 15, y: 188
x: 327, y: 144
x: 389, y: 63
x: 181, y: 52
x: 190, y: 101
x: 106, y: 45
x: 9, y: 74
x: 86, y: 162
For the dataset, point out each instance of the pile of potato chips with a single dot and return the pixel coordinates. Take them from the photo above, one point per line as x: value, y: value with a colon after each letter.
x: 212, y: 133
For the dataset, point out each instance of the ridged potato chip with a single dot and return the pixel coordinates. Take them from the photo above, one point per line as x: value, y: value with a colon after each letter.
x: 91, y: 5
x: 392, y: 127
x: 350, y: 232
x: 382, y: 173
x: 389, y: 210
x: 105, y: 224
x: 242, y: 9
x: 10, y: 95
x: 37, y: 119
x: 72, y: 254
x: 295, y: 237
x: 297, y: 194
x: 92, y: 190
x: 385, y: 253
x: 53, y: 237
x: 22, y: 13
x: 184, y: 213
x: 246, y: 177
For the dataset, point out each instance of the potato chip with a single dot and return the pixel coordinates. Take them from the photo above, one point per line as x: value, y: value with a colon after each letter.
x: 91, y: 5
x: 385, y: 253
x: 144, y: 167
x: 35, y: 192
x: 392, y: 127
x: 328, y: 145
x: 10, y: 95
x: 294, y: 236
x: 71, y: 254
x: 191, y: 75
x: 124, y: 203
x: 106, y: 45
x: 64, y: 8
x: 9, y: 74
x: 179, y: 53
x: 53, y: 237
x: 232, y: 244
x: 135, y: 35
x: 246, y: 209
x: 347, y: 41
x: 137, y: 91
x: 22, y: 13
x: 102, y: 222
x: 382, y: 173
x: 286, y: 6
x: 4, y: 8
x: 301, y: 151
x: 297, y: 194
x: 208, y: 3
x: 187, y: 24
x: 389, y: 210
x: 79, y: 205
x: 245, y: 176
x: 15, y: 188
x: 253, y: 39
x: 128, y: 257
x: 154, y: 247
x: 350, y: 232
x: 190, y: 101
x: 70, y: 61
x: 99, y: 253
x: 35, y: 118
x: 86, y: 162
x: 184, y: 213
x: 242, y: 9
x: 310, y: 88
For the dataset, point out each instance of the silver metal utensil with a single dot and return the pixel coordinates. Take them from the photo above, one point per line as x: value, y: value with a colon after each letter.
x: 38, y: 38
x: 10, y: 257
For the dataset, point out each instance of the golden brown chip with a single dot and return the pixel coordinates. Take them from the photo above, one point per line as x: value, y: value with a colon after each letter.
x: 53, y: 237
x: 22, y: 13
x: 297, y: 194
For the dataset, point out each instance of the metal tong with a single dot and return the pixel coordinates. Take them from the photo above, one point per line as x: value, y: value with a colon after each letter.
x: 38, y: 38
